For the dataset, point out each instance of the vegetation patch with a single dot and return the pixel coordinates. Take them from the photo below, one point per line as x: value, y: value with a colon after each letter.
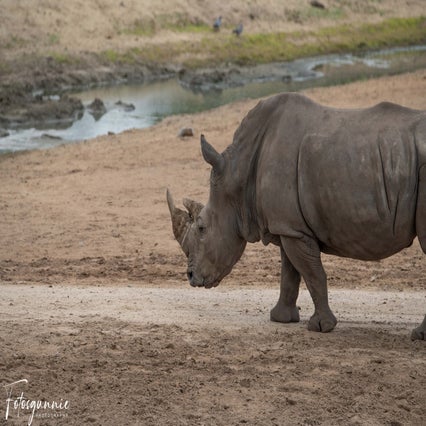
x: 217, y: 49
x: 53, y: 39
x: 263, y: 48
x: 62, y: 58
x: 250, y: 49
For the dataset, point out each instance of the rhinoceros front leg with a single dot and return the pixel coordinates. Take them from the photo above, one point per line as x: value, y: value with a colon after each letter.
x: 305, y: 256
x: 286, y: 310
x: 419, y: 333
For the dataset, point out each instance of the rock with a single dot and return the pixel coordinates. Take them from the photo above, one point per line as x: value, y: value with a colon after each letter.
x: 186, y: 132
x: 213, y: 79
x: 33, y: 110
x: 126, y: 107
x: 4, y: 133
x: 49, y: 136
x: 97, y: 108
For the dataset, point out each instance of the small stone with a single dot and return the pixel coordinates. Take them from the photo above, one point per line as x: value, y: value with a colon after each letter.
x: 127, y: 107
x: 186, y: 132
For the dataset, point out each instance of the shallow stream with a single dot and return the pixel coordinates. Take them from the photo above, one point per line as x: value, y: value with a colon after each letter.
x: 148, y: 103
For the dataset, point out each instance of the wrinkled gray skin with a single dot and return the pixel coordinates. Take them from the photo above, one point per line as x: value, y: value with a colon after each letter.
x: 309, y: 179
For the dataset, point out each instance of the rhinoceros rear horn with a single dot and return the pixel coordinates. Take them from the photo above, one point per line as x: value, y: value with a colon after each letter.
x: 212, y: 157
x: 180, y: 221
x: 193, y: 207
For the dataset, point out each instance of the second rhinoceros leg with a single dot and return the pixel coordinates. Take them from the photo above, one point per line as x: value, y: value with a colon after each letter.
x: 286, y: 310
x: 305, y: 256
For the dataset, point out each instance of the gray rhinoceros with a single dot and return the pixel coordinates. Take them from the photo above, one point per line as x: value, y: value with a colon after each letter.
x: 309, y: 179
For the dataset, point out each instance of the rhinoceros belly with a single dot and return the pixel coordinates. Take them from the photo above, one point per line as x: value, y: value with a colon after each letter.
x: 357, y: 192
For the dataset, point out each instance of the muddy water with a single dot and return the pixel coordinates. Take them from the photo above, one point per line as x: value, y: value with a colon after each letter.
x: 145, y: 104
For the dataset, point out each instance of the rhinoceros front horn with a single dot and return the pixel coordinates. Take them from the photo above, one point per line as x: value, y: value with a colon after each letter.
x: 181, y: 220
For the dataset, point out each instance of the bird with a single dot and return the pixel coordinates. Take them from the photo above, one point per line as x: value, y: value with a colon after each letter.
x: 217, y: 23
x: 238, y: 30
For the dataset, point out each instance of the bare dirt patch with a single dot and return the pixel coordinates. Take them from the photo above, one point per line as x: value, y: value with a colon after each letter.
x: 95, y: 308
x: 149, y: 355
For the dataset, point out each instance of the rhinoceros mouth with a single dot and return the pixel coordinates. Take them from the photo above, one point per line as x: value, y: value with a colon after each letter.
x: 202, y: 282
x: 213, y: 284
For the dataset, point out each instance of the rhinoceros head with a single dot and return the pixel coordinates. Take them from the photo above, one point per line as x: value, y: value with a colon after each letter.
x: 208, y: 234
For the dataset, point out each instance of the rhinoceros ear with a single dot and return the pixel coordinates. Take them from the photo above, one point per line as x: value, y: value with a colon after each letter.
x: 212, y: 157
x: 193, y: 207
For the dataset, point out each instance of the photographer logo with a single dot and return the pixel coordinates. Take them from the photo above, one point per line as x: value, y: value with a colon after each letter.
x: 18, y: 405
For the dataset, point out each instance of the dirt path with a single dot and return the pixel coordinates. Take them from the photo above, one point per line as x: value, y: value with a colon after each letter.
x: 226, y: 308
x: 148, y: 355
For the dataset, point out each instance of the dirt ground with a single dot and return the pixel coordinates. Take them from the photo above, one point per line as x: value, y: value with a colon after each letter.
x: 96, y: 311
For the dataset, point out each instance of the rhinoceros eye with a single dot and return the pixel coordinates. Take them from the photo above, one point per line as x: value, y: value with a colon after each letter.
x: 201, y: 227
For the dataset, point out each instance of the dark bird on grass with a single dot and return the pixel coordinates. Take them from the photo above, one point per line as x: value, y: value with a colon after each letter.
x: 217, y: 23
x: 238, y: 30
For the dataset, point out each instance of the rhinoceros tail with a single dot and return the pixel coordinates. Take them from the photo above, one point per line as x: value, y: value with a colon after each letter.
x: 421, y: 208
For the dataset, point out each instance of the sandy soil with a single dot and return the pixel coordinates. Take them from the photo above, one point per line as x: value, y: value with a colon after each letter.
x: 95, y: 308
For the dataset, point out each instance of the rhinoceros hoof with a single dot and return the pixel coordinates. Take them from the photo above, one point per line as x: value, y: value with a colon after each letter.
x: 285, y: 314
x: 322, y: 323
x: 418, y: 334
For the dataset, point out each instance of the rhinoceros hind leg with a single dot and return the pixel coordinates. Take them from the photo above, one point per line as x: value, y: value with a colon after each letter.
x: 421, y: 209
x: 286, y: 310
x: 419, y: 333
x: 305, y: 255
x: 319, y: 323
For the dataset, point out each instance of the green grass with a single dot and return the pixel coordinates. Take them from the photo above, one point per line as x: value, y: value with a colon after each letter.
x: 250, y: 49
x: 53, y: 39
x: 62, y: 58
x: 262, y: 48
x: 111, y: 56
x: 371, y: 36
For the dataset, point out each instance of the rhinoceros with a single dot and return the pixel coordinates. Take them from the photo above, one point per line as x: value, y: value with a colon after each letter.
x: 309, y: 179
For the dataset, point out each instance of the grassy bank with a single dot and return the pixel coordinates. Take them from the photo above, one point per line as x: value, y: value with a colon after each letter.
x: 216, y: 49
x: 58, y: 68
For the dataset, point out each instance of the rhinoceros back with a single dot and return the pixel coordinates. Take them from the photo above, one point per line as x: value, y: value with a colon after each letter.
x: 358, y: 187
